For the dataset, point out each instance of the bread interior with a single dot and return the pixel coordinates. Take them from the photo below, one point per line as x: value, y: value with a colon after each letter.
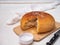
x: 31, y: 23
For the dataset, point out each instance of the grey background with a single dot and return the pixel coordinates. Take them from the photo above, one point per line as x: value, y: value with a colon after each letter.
x: 31, y: 0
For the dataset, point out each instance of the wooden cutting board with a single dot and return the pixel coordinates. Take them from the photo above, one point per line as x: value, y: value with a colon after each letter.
x: 37, y: 37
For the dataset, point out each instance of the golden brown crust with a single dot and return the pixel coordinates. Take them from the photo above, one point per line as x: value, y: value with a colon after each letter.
x: 26, y: 18
x: 45, y: 22
x: 42, y: 20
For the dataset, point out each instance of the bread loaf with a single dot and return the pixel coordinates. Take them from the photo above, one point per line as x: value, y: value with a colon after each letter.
x: 43, y: 21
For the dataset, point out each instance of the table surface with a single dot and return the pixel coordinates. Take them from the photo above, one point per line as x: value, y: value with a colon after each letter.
x: 8, y: 12
x: 30, y: 0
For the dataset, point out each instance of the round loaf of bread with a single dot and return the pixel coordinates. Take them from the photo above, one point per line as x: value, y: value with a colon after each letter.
x: 42, y: 21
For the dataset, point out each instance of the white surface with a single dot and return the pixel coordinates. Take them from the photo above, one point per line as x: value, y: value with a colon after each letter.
x: 28, y: 0
x: 8, y: 12
x: 15, y: 1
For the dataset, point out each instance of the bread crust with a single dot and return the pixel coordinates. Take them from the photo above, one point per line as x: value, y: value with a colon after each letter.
x: 45, y: 22
x: 26, y: 18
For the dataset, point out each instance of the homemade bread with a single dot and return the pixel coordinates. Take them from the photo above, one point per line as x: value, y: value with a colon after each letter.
x: 42, y: 21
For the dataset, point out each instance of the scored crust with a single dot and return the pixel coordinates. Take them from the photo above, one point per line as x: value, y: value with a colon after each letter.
x: 43, y: 21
